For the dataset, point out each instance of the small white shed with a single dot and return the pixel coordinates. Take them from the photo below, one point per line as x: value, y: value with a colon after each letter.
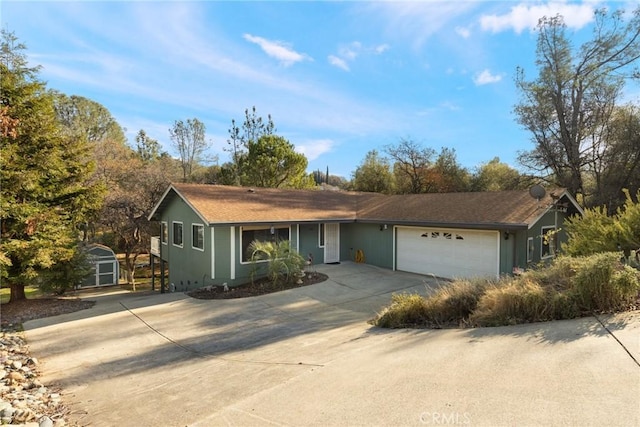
x: 104, y: 267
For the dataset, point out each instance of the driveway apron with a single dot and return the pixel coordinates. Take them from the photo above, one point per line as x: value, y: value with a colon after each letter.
x: 307, y: 356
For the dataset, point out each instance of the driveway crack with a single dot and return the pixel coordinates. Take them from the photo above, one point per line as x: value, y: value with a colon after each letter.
x: 616, y: 338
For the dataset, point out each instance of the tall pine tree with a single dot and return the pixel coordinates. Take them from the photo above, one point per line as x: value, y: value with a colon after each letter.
x: 45, y: 190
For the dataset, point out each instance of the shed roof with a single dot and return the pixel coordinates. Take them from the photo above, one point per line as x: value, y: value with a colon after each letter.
x: 219, y: 204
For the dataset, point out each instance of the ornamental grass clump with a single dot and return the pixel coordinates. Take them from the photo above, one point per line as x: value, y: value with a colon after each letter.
x: 513, y: 301
x: 452, y: 304
x: 566, y: 288
x: 449, y: 305
x: 406, y: 310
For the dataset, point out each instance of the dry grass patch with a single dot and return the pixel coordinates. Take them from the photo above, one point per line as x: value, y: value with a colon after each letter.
x: 567, y: 288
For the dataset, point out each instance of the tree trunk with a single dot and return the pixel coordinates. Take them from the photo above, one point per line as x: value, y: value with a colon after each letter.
x: 17, y: 292
x: 130, y: 263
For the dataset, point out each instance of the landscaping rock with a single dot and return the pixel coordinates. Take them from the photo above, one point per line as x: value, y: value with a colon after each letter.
x: 24, y: 400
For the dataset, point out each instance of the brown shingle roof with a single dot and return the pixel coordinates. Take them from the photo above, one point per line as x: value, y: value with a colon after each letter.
x: 227, y: 204
x: 238, y: 205
x: 516, y: 208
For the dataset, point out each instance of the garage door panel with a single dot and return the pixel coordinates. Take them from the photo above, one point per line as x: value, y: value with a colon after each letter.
x: 447, y: 252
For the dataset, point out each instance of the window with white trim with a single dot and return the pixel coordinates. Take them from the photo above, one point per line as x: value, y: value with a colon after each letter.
x: 262, y: 234
x: 177, y: 233
x: 197, y: 236
x: 164, y: 232
x: 547, y: 242
x: 321, y: 235
x: 530, y: 249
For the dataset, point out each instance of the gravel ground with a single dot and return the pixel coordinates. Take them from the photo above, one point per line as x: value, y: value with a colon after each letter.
x: 24, y: 399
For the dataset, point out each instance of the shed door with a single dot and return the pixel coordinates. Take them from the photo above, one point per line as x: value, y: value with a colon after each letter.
x: 331, y: 243
x: 106, y: 273
x: 449, y: 253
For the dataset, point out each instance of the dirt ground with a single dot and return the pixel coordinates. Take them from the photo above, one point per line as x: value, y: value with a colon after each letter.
x: 22, y: 311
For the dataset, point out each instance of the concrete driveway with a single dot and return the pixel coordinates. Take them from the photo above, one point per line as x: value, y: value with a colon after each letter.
x: 307, y: 357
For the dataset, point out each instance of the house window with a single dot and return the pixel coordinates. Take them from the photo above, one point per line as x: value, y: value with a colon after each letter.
x: 177, y: 234
x: 547, y: 242
x: 262, y: 234
x: 197, y: 236
x: 164, y: 233
x: 321, y: 235
x: 530, y: 249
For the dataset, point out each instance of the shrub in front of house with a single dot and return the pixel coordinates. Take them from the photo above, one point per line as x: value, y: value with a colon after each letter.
x: 449, y: 305
x: 603, y: 284
x: 283, y: 264
x: 567, y: 288
x: 513, y: 301
x: 405, y: 311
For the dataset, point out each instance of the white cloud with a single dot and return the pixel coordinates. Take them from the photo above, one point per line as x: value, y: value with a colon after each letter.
x: 315, y: 148
x: 485, y: 77
x: 380, y: 49
x: 463, y: 32
x: 338, y: 62
x: 525, y: 17
x: 414, y: 21
x: 349, y: 52
x: 278, y: 50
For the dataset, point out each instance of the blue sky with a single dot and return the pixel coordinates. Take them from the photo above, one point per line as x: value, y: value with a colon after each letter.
x: 338, y: 78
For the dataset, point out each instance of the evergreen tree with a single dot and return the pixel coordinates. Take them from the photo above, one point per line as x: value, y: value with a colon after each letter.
x: 272, y: 162
x: 45, y: 192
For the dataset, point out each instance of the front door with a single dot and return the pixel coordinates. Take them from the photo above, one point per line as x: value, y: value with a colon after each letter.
x: 331, y: 243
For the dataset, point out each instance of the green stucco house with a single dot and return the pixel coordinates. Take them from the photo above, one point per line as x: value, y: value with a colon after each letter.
x: 206, y: 229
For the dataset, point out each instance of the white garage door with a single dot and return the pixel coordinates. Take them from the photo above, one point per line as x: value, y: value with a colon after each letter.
x: 449, y: 253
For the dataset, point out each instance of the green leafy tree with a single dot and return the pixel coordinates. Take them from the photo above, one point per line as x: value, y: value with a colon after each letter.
x: 147, y: 148
x: 596, y: 231
x: 447, y: 175
x: 82, y: 118
x: 590, y: 233
x: 45, y: 189
x: 251, y: 130
x: 135, y: 184
x: 627, y: 223
x: 569, y: 105
x: 271, y: 161
x: 86, y: 121
x: 373, y: 174
x: 497, y: 176
x: 188, y: 139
